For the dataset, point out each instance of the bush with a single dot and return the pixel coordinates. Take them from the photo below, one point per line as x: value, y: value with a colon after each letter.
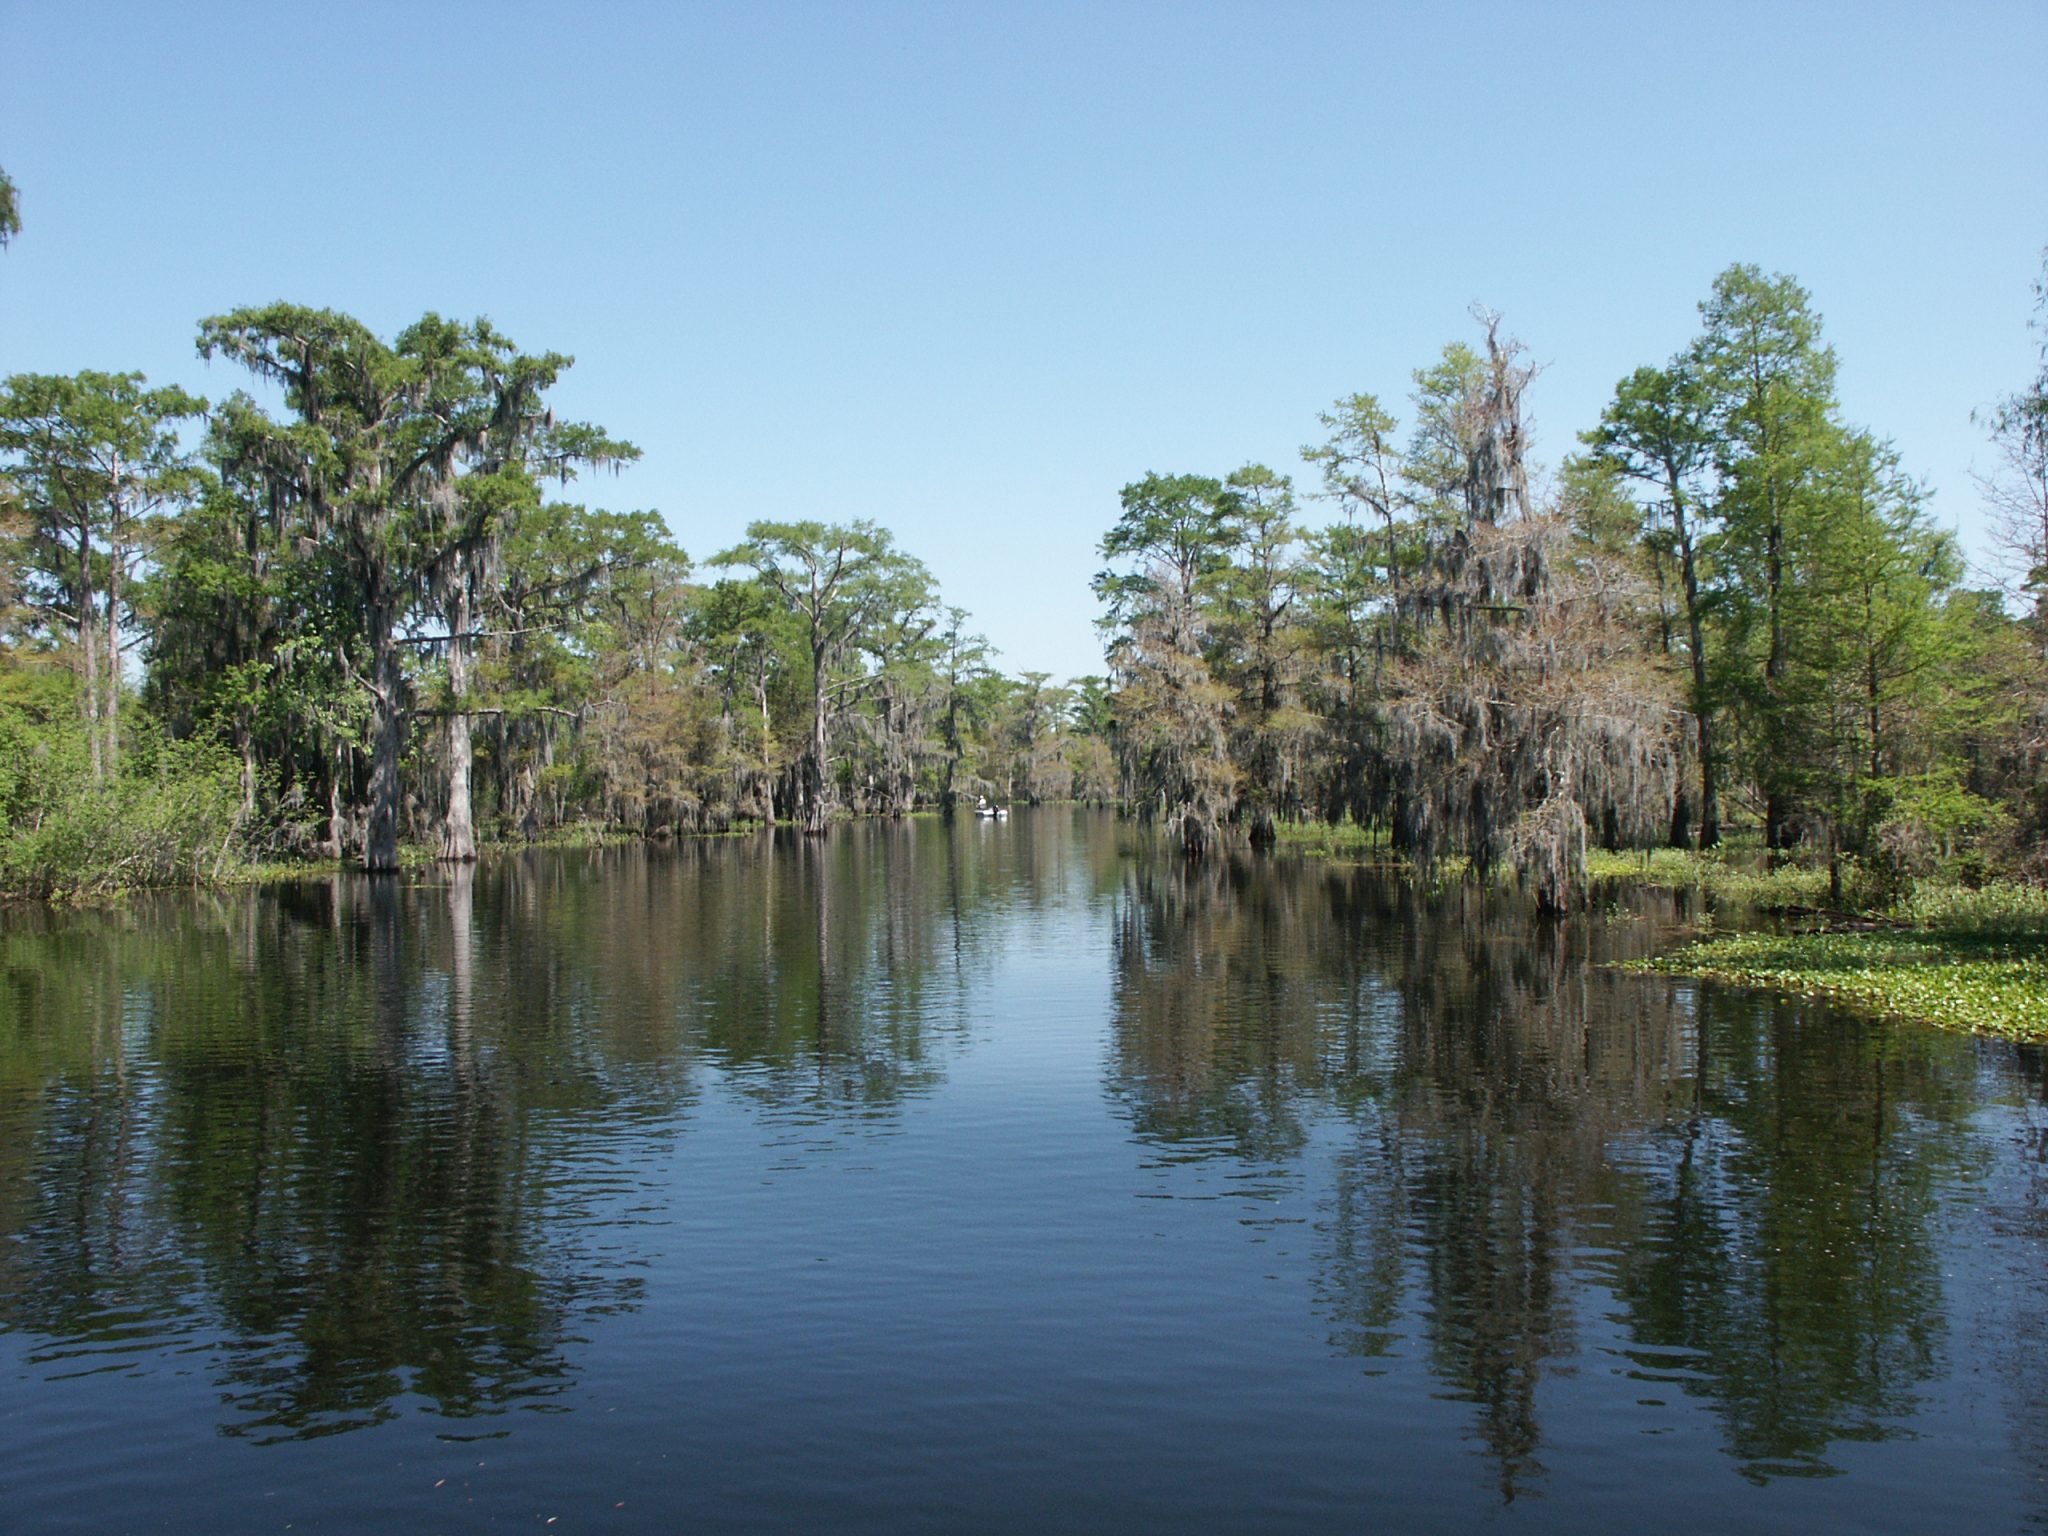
x: 170, y: 818
x: 1921, y: 823
x: 1997, y: 910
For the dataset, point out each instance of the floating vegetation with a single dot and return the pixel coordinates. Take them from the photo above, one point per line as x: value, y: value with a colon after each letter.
x: 1962, y: 959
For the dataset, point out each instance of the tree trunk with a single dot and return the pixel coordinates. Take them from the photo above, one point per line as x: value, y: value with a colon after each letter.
x: 1777, y: 821
x: 245, y: 740
x: 1393, y: 563
x: 813, y: 789
x: 111, y: 715
x: 767, y: 774
x: 458, y: 841
x: 1263, y: 835
x: 337, y: 820
x: 1777, y: 803
x: 387, y: 737
x: 88, y: 645
x: 1681, y: 820
x: 1710, y: 798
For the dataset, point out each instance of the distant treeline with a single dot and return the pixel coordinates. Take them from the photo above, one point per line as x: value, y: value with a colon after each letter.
x: 367, y: 622
x: 387, y: 632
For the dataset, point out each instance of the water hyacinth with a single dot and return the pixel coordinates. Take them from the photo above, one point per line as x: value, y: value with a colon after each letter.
x: 1954, y: 958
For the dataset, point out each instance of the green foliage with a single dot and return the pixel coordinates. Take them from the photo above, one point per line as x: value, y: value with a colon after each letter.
x: 401, y: 470
x: 1441, y: 446
x: 1945, y: 954
x: 169, y: 818
x: 863, y: 613
x: 1739, y: 877
x: 2000, y: 910
x: 96, y: 462
x: 370, y: 603
x: 1950, y: 980
x: 1332, y: 840
x: 1174, y: 534
x: 1172, y: 734
x: 1352, y: 565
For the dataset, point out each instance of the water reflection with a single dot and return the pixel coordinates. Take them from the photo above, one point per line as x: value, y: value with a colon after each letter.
x: 1533, y: 1141
x: 293, y: 1137
x: 357, y: 1152
x: 357, y: 1143
x: 1788, y: 1262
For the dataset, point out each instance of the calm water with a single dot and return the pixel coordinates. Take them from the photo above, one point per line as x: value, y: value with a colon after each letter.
x: 1000, y: 1178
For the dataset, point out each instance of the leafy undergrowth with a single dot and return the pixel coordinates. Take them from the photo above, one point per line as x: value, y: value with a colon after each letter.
x: 68, y: 834
x: 1737, y: 879
x: 2001, y: 910
x: 1349, y: 842
x: 1961, y: 959
x: 1333, y: 840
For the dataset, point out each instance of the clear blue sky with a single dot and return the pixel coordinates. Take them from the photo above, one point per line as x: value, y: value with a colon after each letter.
x: 967, y: 268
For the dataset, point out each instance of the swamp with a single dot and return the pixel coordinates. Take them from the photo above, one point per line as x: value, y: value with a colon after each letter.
x: 900, y: 768
x: 996, y: 1175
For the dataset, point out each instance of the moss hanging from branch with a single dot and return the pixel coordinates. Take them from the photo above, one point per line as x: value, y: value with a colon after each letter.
x: 1530, y: 709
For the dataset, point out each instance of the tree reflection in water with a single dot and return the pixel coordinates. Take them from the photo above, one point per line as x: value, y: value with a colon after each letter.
x: 354, y: 1141
x: 1752, y: 1187
x: 312, y: 1138
x: 357, y: 1149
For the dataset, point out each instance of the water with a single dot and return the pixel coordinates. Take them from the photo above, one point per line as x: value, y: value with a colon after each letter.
x: 987, y: 1177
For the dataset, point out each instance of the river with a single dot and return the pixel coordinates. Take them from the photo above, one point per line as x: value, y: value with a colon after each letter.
x: 995, y: 1177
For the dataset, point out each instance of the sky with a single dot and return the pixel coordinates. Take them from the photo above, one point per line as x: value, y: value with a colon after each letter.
x: 966, y: 269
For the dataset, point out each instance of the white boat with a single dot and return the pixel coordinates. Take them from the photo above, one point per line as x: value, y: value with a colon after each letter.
x: 991, y: 812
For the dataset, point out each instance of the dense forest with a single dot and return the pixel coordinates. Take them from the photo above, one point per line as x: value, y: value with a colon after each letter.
x: 368, y: 621
x: 1729, y: 606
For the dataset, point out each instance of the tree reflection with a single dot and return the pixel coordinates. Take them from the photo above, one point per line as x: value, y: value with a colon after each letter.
x: 1789, y: 1253
x: 1513, y: 1067
x: 369, y: 1146
x: 1229, y: 1004
x: 1757, y: 1183
x: 352, y: 1140
x: 316, y: 1156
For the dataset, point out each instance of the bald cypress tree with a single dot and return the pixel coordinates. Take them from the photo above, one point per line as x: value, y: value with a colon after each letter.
x: 1169, y: 549
x: 1531, y: 709
x: 1770, y: 382
x: 405, y: 461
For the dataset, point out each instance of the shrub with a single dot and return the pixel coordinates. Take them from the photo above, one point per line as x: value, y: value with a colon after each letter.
x: 170, y: 818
